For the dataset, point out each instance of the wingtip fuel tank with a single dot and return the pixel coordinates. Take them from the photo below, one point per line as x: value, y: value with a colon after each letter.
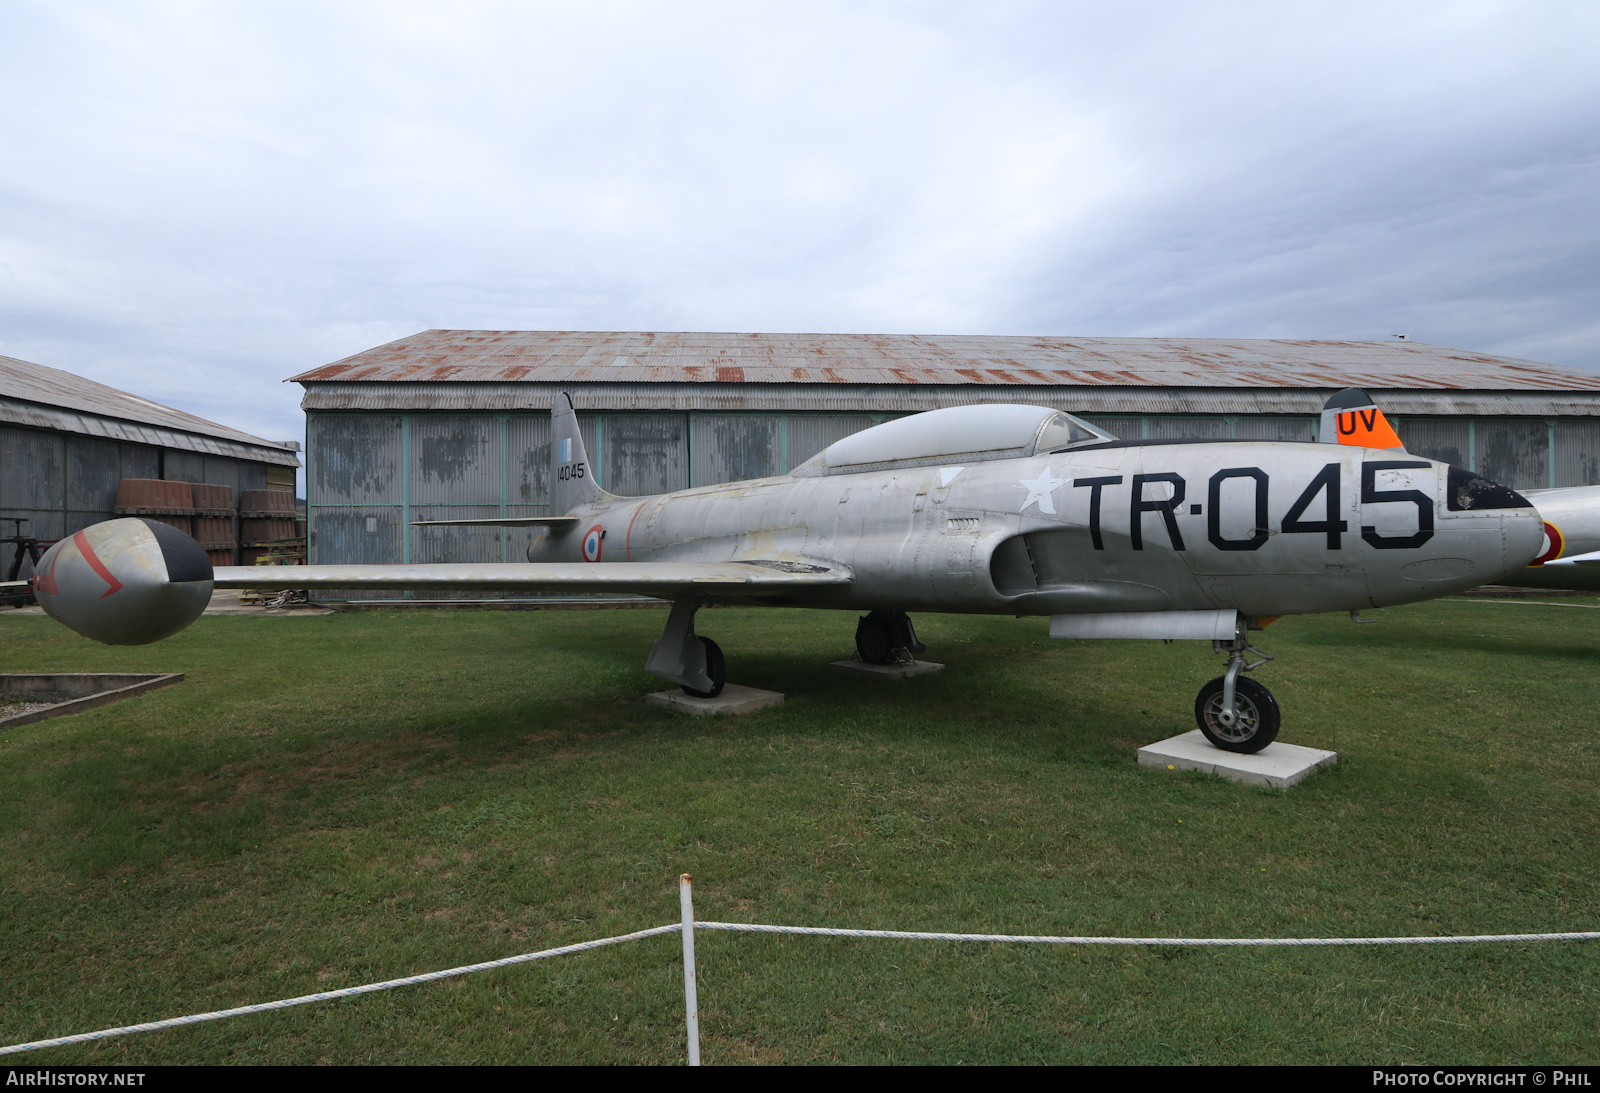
x: 124, y: 582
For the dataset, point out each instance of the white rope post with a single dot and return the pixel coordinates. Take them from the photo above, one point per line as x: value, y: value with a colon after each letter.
x: 691, y: 1001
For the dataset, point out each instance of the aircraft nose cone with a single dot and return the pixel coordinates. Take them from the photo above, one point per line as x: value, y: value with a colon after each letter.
x: 1470, y: 495
x: 1522, y: 536
x: 124, y: 582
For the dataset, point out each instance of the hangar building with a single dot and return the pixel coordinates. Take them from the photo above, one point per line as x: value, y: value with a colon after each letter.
x: 455, y: 423
x: 65, y: 443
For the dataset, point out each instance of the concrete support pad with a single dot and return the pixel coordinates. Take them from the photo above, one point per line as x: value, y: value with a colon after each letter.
x: 1276, y: 765
x: 734, y: 699
x: 902, y: 670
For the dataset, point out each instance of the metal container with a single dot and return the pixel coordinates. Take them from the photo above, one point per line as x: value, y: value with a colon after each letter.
x: 267, y: 504
x: 215, y: 533
x: 254, y: 531
x: 211, y: 499
x: 184, y: 524
x: 154, y: 497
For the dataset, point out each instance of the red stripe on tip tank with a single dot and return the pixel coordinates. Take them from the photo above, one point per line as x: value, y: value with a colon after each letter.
x: 96, y: 564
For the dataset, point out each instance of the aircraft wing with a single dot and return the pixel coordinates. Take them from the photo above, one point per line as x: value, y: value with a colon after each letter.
x: 666, y: 580
x: 502, y: 522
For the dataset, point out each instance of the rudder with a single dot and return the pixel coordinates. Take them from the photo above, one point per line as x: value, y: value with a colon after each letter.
x: 572, y: 480
x: 1351, y: 417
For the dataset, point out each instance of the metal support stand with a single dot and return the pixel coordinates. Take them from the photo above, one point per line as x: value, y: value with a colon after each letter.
x: 1237, y: 662
x: 678, y: 655
x: 691, y: 1000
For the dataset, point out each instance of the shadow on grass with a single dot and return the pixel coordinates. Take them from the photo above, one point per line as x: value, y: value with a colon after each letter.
x: 334, y: 804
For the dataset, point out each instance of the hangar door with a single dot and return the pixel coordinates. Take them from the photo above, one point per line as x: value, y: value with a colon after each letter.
x: 368, y: 476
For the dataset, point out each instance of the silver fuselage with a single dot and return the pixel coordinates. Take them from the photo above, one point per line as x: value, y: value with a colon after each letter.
x: 1269, y: 528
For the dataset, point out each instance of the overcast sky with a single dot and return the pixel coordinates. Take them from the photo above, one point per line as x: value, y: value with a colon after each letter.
x: 198, y: 200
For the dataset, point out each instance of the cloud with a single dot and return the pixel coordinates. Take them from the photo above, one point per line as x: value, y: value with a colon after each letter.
x: 198, y: 200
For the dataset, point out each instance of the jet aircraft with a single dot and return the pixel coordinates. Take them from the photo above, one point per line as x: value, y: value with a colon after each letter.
x: 987, y: 509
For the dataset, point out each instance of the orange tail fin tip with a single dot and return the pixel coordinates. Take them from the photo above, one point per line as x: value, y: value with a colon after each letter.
x: 1351, y: 417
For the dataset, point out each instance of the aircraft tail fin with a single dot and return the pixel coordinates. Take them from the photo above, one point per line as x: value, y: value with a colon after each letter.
x: 1351, y: 417
x: 572, y: 481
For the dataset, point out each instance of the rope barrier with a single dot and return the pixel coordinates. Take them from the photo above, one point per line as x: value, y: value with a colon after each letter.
x: 1200, y: 942
x: 690, y: 924
x: 1529, y: 603
x: 325, y: 996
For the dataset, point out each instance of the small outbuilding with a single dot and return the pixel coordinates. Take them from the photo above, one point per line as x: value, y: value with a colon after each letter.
x: 455, y: 423
x: 66, y: 443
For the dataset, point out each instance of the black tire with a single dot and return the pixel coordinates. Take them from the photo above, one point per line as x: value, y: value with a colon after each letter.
x: 716, y: 668
x: 875, y: 640
x: 1258, y: 716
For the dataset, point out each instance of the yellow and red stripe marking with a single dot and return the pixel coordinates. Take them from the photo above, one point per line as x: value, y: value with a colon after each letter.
x: 1555, y: 543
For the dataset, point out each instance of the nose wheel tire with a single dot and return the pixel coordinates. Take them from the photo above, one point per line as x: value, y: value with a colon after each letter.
x: 1256, y: 725
x: 716, y: 668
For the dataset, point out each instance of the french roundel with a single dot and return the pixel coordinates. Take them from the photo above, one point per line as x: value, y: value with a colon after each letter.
x: 1554, y: 544
x: 591, y: 543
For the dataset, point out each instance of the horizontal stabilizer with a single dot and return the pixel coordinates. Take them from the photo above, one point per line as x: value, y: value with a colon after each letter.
x: 1588, y: 561
x: 665, y: 579
x: 502, y: 522
x: 1168, y: 625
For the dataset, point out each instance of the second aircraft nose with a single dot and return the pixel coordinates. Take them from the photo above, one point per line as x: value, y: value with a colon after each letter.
x: 1522, y: 532
x: 1521, y: 528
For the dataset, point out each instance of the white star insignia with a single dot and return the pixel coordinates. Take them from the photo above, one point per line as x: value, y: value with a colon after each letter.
x: 1040, y: 490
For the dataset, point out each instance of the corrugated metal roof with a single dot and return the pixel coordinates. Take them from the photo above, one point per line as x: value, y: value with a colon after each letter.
x: 36, y: 416
x: 565, y: 357
x: 908, y: 399
x: 52, y: 399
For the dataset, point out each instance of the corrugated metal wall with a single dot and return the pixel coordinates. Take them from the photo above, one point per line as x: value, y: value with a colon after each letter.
x: 63, y: 482
x: 371, y: 474
x: 1206, y: 426
x: 1524, y: 453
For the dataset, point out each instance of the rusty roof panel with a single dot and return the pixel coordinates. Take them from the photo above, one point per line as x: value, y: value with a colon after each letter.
x: 825, y: 398
x: 554, y: 356
x: 63, y: 398
x: 65, y: 420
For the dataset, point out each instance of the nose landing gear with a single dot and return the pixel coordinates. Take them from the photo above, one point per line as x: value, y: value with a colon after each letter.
x: 1234, y: 712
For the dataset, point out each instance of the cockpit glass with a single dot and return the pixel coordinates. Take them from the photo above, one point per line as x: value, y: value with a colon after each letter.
x: 1063, y: 431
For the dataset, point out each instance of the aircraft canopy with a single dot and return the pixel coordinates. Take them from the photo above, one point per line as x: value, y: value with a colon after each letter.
x: 965, y: 433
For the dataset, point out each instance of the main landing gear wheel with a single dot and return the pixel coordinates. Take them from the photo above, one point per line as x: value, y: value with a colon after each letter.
x: 1256, y: 720
x: 883, y: 635
x: 716, y: 668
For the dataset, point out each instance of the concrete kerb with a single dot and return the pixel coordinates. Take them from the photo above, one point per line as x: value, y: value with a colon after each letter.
x: 73, y: 692
x: 688, y: 924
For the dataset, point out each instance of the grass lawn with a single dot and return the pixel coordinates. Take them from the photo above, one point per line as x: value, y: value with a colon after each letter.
x: 331, y: 801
